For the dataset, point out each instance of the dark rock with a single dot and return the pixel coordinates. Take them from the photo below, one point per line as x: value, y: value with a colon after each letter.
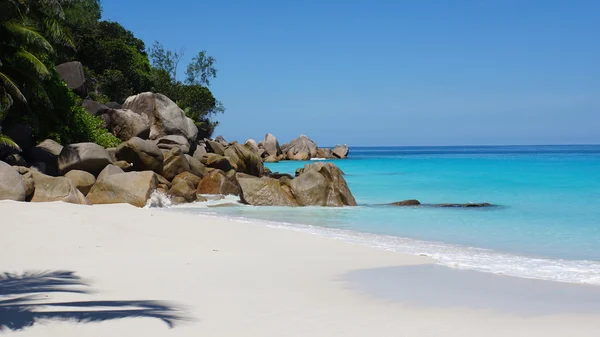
x: 411, y: 202
x: 143, y: 154
x: 484, y: 204
x: 214, y: 147
x: 183, y: 189
x: 187, y: 176
x: 15, y: 159
x: 114, y: 105
x: 245, y: 160
x: 94, y: 108
x: 217, y: 182
x: 72, y: 73
x: 44, y: 157
x: 340, y: 151
x: 88, y: 157
x: 175, y: 163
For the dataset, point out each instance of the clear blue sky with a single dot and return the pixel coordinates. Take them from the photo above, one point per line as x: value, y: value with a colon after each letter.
x: 391, y: 72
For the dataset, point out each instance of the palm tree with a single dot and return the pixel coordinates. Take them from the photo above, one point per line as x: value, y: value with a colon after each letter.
x: 22, y: 49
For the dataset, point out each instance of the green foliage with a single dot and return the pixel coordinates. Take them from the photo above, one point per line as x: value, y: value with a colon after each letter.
x: 201, y: 70
x: 87, y: 128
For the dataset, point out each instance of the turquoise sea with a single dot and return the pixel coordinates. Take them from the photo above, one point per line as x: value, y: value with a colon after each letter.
x: 546, y: 225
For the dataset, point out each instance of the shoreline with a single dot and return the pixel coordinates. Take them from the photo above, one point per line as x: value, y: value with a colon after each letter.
x: 228, y: 279
x: 449, y: 255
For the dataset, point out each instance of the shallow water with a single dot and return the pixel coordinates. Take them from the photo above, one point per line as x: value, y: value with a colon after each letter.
x: 547, y: 225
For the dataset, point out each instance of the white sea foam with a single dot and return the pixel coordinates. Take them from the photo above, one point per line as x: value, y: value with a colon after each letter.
x: 158, y: 200
x: 318, y: 158
x: 455, y: 256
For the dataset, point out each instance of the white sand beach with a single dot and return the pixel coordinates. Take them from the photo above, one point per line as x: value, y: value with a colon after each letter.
x: 217, y: 277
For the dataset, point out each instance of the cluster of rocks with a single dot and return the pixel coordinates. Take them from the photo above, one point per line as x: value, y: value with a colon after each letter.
x: 301, y: 148
x: 414, y: 202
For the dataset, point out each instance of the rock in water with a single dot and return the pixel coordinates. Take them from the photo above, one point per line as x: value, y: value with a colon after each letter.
x: 88, y: 157
x: 340, y: 151
x: 411, y: 202
x: 165, y: 117
x: 82, y: 180
x: 265, y: 191
x: 133, y: 188
x: 301, y: 148
x: 72, y: 73
x: 322, y: 184
x: 271, y: 146
x: 143, y: 154
x: 11, y: 184
x: 182, y: 191
x: 187, y: 176
x: 49, y: 188
x: 245, y: 160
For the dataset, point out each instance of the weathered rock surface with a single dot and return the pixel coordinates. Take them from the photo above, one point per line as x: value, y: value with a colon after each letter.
x: 172, y: 141
x: 133, y: 188
x: 411, y: 202
x: 217, y: 182
x: 214, y: 147
x: 244, y: 159
x: 340, y: 151
x: 11, y: 184
x: 108, y: 171
x: 252, y: 145
x: 324, y: 153
x: 271, y: 146
x: 196, y: 166
x: 301, y: 148
x: 126, y: 124
x: 165, y: 117
x: 72, y: 73
x: 123, y: 165
x: 27, y: 178
x: 49, y: 189
x: 44, y: 157
x: 182, y: 189
x: 88, y: 157
x: 94, y: 108
x: 221, y: 140
x: 216, y: 161
x: 175, y: 163
x: 322, y: 184
x: 143, y: 154
x: 187, y: 176
x: 483, y: 204
x: 82, y: 180
x: 265, y: 191
x: 200, y: 150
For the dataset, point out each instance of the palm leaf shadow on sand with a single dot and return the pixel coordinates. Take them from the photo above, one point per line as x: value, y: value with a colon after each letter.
x: 22, y: 297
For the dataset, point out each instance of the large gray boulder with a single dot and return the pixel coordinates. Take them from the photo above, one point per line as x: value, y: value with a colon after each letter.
x: 48, y: 189
x: 172, y: 141
x: 340, y: 151
x: 216, y: 161
x: 214, y: 147
x: 94, y: 108
x: 175, y: 163
x: 271, y: 146
x: 82, y: 180
x: 200, y: 150
x: 143, y: 154
x: 27, y: 178
x: 165, y: 117
x: 322, y: 184
x: 133, y: 188
x: 109, y: 170
x: 182, y: 191
x: 265, y: 191
x: 252, y: 145
x: 44, y: 157
x: 126, y: 124
x: 89, y: 157
x: 301, y: 148
x: 244, y: 159
x: 11, y: 184
x: 196, y: 166
x: 72, y: 73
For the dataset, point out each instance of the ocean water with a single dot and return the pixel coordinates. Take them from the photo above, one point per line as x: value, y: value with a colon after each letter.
x: 546, y: 225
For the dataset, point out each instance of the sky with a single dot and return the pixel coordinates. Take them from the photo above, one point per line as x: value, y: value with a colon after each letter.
x: 375, y: 72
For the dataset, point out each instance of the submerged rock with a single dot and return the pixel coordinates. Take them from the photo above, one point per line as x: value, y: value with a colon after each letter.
x: 483, y: 204
x: 411, y: 202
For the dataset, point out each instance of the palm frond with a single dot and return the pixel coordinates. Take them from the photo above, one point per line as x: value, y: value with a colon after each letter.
x: 11, y: 88
x: 57, y: 33
x: 7, y: 142
x: 29, y: 35
x: 38, y: 65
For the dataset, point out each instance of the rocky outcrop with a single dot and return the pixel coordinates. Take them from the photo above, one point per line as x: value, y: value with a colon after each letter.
x: 143, y: 154
x: 175, y: 163
x: 44, y: 157
x: 108, y: 171
x: 72, y: 73
x: 340, y: 151
x: 196, y: 166
x: 271, y: 146
x: 322, y: 184
x: 165, y: 117
x: 82, y: 180
x: 200, y: 150
x: 414, y: 202
x: 218, y: 182
x: 252, y: 145
x: 125, y: 124
x: 324, y: 153
x: 215, y: 147
x: 182, y: 191
x: 172, y: 141
x: 87, y: 157
x: 221, y: 140
x: 11, y: 184
x: 187, y: 176
x: 47, y: 189
x: 244, y: 159
x: 265, y: 191
x: 216, y: 161
x: 411, y: 202
x: 133, y: 188
x: 301, y: 148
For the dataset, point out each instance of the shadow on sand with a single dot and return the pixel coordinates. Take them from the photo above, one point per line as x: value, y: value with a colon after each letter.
x: 24, y: 302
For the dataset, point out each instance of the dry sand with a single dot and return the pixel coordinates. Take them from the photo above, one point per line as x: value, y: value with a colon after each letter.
x: 217, y: 277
